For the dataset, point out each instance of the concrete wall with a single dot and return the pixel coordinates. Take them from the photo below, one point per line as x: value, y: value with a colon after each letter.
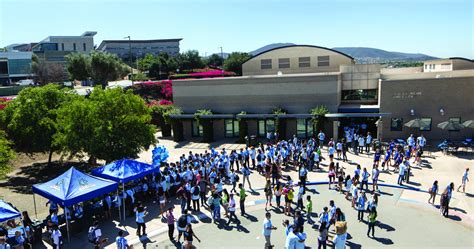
x: 70, y: 41
x: 426, y: 97
x: 253, y: 66
x: 295, y: 93
x: 459, y: 64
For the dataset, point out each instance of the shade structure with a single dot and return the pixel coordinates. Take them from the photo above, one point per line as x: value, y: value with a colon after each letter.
x: 416, y: 123
x: 7, y: 212
x: 74, y: 186
x: 450, y: 125
x: 123, y: 171
x: 468, y: 124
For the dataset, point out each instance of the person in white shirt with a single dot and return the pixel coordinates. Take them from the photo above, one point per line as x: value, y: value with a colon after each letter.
x: 465, y: 179
x: 267, y: 230
x: 368, y: 142
x: 292, y: 239
x: 56, y: 237
x: 361, y: 144
x: 122, y: 242
x: 401, y: 173
x: 339, y: 241
x: 321, y: 138
x: 301, y: 240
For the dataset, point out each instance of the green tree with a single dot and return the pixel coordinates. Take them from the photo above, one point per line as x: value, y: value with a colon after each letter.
x: 78, y: 66
x: 30, y: 119
x: 234, y: 62
x: 145, y: 63
x: 46, y: 72
x: 214, y: 61
x: 106, y: 67
x: 190, y: 60
x: 110, y: 124
x: 318, y: 117
x: 6, y: 154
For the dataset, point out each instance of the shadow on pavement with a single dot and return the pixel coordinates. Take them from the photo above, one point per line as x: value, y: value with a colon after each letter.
x: 385, y: 241
x: 385, y: 227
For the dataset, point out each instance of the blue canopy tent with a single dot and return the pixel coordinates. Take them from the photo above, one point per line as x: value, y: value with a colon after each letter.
x: 123, y: 171
x: 7, y: 212
x: 73, y: 187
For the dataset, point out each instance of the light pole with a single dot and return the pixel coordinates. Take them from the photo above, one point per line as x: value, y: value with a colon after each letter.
x: 222, y: 64
x: 130, y: 57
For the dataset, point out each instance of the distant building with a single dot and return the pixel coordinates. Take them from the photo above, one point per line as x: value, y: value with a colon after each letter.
x: 140, y: 48
x: 365, y: 97
x: 15, y: 66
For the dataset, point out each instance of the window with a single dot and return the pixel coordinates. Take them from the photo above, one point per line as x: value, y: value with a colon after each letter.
x: 74, y: 46
x: 84, y: 46
x: 425, y: 124
x: 284, y: 63
x: 304, y: 62
x: 266, y: 64
x: 446, y: 66
x: 455, y: 120
x: 304, y: 128
x: 426, y: 66
x: 62, y: 46
x: 231, y: 128
x: 323, y: 61
x: 197, y: 129
x: 360, y: 94
x: 396, y: 124
x: 264, y: 126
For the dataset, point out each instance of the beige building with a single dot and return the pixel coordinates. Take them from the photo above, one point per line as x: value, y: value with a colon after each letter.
x: 356, y: 95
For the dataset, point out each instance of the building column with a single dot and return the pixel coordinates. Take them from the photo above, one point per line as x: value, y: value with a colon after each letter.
x: 335, y: 130
x: 379, y: 129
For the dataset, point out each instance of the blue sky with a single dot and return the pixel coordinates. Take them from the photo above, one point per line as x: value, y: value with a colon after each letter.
x: 439, y: 28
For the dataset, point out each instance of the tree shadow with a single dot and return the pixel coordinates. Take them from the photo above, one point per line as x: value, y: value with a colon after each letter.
x: 35, y: 173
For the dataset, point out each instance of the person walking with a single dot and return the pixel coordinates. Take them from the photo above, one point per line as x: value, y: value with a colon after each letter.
x: 465, y: 179
x: 195, y: 191
x: 278, y: 190
x: 375, y: 178
x: 246, y: 176
x: 140, y: 213
x: 182, y: 223
x: 188, y: 237
x: 433, y: 191
x: 170, y: 220
x: 361, y: 199
x: 372, y: 220
x: 321, y: 137
x: 122, y: 242
x: 242, y: 196
x: 267, y: 230
x: 56, y: 237
x: 401, y: 173
x: 309, y: 209
x: 331, y: 175
x: 232, y: 206
x: 447, y: 196
x: 268, y: 194
x: 365, y: 180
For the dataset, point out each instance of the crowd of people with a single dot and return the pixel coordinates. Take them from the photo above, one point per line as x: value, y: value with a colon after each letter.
x: 216, y: 180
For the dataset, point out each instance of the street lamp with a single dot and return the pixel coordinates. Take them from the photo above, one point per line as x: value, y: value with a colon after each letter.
x: 130, y: 57
x: 222, y: 64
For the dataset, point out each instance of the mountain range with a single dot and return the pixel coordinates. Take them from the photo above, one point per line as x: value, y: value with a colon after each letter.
x: 362, y: 54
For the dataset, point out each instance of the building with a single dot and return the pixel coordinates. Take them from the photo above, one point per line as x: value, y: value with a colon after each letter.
x: 298, y: 78
x: 140, y: 48
x: 15, y: 66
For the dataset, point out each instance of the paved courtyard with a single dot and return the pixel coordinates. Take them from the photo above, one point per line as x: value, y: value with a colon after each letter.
x: 407, y: 220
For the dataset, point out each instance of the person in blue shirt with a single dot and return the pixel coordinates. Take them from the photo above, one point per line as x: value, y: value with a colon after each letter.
x: 365, y: 180
x: 140, y: 214
x: 122, y: 242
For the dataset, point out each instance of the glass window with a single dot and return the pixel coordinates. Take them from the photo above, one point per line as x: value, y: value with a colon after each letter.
x: 270, y: 125
x: 455, y: 120
x: 425, y: 124
x: 197, y: 129
x: 301, y: 127
x: 19, y: 66
x: 236, y: 128
x: 309, y: 128
x: 74, y: 46
x: 323, y: 61
x: 84, y: 46
x: 304, y: 62
x: 62, y: 46
x: 284, y: 63
x: 3, y: 67
x: 266, y: 64
x: 261, y: 127
x: 396, y: 124
x: 231, y: 128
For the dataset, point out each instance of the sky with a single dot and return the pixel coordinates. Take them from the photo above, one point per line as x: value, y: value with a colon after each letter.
x: 441, y: 28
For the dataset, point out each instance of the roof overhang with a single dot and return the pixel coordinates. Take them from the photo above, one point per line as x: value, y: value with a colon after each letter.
x: 356, y: 115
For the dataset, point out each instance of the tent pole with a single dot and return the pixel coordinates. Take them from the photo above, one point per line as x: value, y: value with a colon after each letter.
x: 123, y: 201
x: 34, y: 202
x: 67, y: 224
x: 118, y: 198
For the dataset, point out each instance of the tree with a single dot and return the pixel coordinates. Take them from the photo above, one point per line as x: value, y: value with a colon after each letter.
x: 6, y: 154
x: 145, y: 63
x: 190, y: 60
x: 78, y: 66
x: 234, y: 62
x: 110, y: 124
x: 106, y: 67
x: 318, y: 117
x: 30, y: 119
x: 214, y: 60
x: 47, y: 72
